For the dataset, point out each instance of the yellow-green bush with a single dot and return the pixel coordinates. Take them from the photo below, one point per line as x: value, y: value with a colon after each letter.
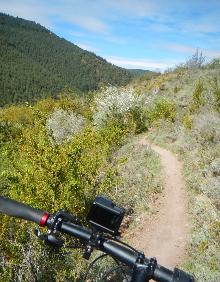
x: 50, y: 176
x: 161, y: 109
x: 216, y: 92
x: 187, y: 121
x: 198, y: 99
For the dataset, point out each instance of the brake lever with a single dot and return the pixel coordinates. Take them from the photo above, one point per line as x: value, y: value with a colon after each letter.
x: 49, y: 239
x: 53, y: 226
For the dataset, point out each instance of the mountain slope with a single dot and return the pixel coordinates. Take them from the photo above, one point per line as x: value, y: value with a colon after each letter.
x: 37, y: 63
x: 140, y: 72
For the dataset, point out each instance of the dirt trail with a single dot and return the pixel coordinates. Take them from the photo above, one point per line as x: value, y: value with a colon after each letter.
x: 164, y: 235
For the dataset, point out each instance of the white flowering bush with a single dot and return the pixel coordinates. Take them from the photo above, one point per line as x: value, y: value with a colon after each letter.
x: 62, y: 125
x: 116, y: 102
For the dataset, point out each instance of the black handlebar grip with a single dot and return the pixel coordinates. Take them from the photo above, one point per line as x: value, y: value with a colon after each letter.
x: 179, y: 275
x: 162, y: 274
x: 14, y: 208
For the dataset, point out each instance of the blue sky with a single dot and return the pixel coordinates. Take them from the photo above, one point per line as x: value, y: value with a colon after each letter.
x: 146, y: 34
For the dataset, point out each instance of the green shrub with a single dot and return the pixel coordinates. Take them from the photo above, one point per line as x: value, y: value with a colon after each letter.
x: 187, y: 121
x: 216, y: 92
x: 214, y: 64
x: 161, y: 109
x: 176, y: 89
x: 138, y: 120
x: 197, y: 99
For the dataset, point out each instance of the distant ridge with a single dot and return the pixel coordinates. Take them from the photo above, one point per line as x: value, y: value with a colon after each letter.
x: 36, y: 63
x: 139, y: 72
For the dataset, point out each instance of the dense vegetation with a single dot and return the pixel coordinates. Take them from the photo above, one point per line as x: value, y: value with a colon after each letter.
x: 60, y: 153
x: 35, y: 63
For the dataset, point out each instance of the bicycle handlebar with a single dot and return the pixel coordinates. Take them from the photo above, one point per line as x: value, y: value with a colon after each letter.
x: 115, y: 249
x: 125, y: 255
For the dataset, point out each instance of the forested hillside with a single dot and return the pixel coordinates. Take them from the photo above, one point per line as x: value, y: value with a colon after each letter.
x: 140, y: 72
x: 36, y: 63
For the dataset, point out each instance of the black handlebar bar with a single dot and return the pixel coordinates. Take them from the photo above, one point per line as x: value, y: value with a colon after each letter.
x: 125, y: 255
x: 115, y: 249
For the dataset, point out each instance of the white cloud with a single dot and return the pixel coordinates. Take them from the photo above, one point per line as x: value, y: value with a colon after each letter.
x: 96, y: 15
x: 185, y: 49
x: 137, y: 8
x: 116, y: 39
x: 49, y: 14
x: 87, y: 46
x: 211, y: 53
x: 77, y: 34
x: 90, y: 15
x: 29, y: 10
x: 88, y: 23
x: 201, y: 27
x: 147, y: 64
x: 160, y: 27
x: 190, y: 50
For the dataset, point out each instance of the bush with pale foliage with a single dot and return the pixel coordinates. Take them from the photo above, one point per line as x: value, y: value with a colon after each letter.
x: 115, y: 101
x: 62, y: 125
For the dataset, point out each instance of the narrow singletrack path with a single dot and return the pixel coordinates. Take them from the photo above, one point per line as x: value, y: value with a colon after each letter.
x: 165, y: 234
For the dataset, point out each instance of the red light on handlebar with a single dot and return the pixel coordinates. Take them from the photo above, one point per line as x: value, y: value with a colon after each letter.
x: 44, y: 219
